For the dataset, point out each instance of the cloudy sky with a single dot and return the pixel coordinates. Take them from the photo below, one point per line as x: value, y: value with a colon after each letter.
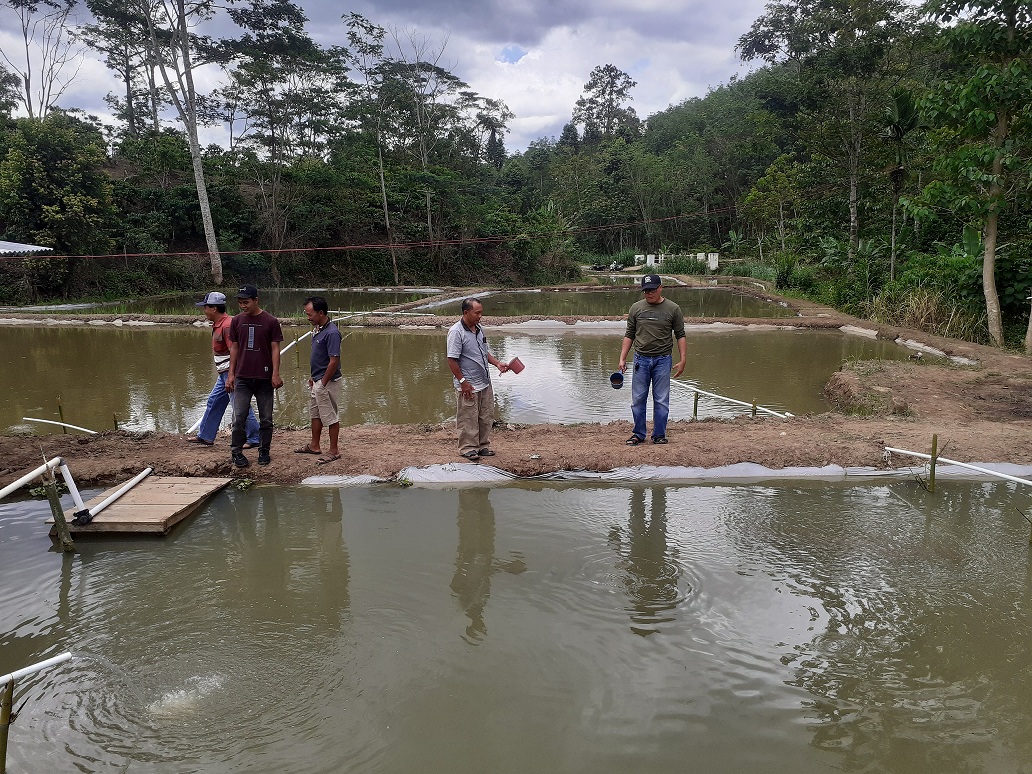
x: 535, y: 55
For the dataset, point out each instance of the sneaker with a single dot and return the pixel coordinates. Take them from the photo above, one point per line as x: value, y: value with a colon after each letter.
x: 263, y: 457
x: 240, y: 460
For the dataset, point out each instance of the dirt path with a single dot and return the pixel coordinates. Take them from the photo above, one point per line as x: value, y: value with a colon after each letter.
x: 982, y: 413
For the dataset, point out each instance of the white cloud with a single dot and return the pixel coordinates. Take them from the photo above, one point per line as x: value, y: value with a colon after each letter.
x: 674, y: 49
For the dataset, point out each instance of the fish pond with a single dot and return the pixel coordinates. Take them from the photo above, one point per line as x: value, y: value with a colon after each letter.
x: 158, y: 378
x: 609, y: 302
x: 742, y: 627
x: 282, y: 302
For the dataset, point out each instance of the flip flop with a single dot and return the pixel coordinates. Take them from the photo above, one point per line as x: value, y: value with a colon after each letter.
x: 306, y: 449
x: 329, y: 458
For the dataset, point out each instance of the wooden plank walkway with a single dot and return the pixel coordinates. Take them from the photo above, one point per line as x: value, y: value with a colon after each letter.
x: 153, y: 506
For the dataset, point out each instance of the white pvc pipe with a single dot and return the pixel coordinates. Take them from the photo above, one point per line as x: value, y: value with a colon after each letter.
x: 13, y: 487
x: 59, y: 424
x: 73, y: 490
x: 121, y: 491
x: 948, y: 461
x: 731, y: 400
x: 34, y: 668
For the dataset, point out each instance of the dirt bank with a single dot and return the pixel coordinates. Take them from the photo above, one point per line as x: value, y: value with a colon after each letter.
x: 981, y: 415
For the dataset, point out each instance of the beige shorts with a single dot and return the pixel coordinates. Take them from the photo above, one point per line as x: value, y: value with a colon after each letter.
x: 323, y: 402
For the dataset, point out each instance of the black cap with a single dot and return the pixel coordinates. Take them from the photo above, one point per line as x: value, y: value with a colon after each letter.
x: 650, y: 281
x: 247, y: 291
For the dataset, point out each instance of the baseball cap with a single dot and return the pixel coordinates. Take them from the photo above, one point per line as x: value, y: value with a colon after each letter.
x: 214, y: 298
x: 247, y: 291
x: 650, y: 281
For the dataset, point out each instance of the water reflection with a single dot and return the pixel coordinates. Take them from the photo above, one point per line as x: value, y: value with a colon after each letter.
x: 649, y: 566
x: 475, y: 561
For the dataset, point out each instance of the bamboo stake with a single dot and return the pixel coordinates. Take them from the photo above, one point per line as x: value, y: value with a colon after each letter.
x: 695, y: 408
x: 60, y: 411
x: 6, y: 704
x: 931, y: 463
x: 55, y: 508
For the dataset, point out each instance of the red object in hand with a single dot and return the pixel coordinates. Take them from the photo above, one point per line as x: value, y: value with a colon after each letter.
x: 515, y: 365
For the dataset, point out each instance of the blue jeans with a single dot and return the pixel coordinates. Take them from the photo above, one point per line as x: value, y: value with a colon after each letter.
x: 216, y: 409
x: 654, y: 371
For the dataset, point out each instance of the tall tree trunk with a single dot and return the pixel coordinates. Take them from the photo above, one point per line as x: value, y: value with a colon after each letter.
x: 992, y: 223
x: 992, y: 231
x: 189, y: 115
x: 892, y: 251
x: 386, y: 210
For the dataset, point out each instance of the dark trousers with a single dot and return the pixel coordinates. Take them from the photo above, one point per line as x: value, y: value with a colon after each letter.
x: 243, y: 390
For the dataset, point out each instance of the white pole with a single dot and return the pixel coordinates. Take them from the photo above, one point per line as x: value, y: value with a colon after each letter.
x: 732, y: 400
x: 34, y: 668
x: 73, y: 490
x: 13, y: 487
x: 60, y: 424
x: 1015, y: 479
x: 121, y: 491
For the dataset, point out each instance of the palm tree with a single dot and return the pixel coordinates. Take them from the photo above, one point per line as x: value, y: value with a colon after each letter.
x: 901, y: 118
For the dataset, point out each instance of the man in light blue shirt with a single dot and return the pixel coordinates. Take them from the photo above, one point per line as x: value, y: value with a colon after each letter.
x: 468, y: 358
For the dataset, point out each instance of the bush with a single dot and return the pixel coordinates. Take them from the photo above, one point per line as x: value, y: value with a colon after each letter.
x: 683, y: 264
x: 754, y: 269
x: 926, y: 309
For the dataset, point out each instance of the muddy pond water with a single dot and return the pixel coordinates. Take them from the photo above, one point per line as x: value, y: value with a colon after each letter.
x: 159, y: 378
x: 694, y: 302
x: 282, y: 302
x: 803, y: 627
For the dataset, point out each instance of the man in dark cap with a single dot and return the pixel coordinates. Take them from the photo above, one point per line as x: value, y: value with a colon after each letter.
x: 650, y: 324
x: 254, y: 371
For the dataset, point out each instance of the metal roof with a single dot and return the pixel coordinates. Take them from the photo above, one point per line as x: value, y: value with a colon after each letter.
x: 14, y: 248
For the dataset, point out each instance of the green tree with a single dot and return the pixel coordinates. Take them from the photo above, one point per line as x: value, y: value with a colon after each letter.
x: 9, y: 84
x: 900, y: 119
x: 177, y: 51
x: 985, y: 156
x: 772, y: 201
x: 847, y: 56
x: 602, y: 108
x: 53, y: 192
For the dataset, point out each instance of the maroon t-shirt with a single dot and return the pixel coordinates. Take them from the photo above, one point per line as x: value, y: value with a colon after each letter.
x: 254, y: 335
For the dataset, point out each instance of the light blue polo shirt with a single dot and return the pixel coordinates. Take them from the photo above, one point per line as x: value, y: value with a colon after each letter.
x: 471, y: 350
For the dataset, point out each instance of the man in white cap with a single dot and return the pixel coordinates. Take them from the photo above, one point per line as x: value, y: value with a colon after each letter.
x: 650, y: 324
x: 214, y: 306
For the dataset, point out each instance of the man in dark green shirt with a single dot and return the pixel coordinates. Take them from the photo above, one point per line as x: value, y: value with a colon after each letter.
x: 650, y: 323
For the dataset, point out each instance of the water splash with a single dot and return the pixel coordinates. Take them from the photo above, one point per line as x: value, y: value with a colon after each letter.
x: 185, y: 700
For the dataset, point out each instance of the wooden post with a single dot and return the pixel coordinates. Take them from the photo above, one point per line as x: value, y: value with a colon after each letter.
x: 60, y: 411
x: 59, y: 519
x: 6, y: 708
x: 115, y: 417
x: 754, y: 408
x: 695, y: 408
x: 931, y: 463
